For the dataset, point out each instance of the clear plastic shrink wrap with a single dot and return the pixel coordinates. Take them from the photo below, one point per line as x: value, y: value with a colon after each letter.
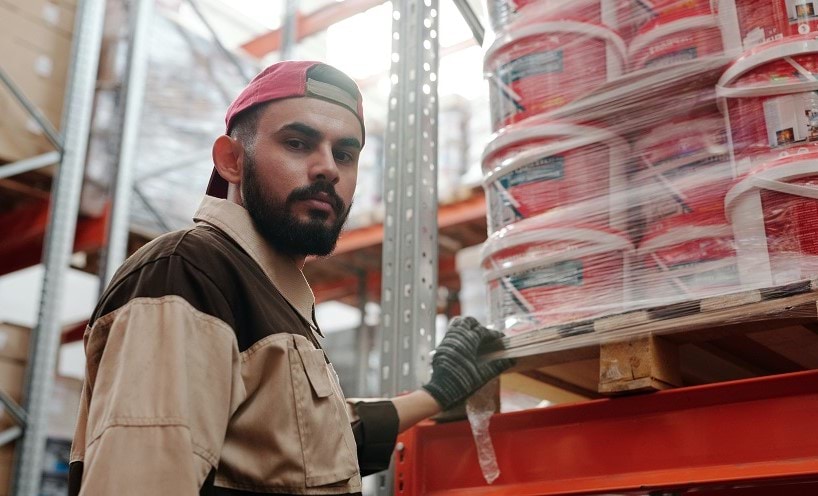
x: 647, y: 153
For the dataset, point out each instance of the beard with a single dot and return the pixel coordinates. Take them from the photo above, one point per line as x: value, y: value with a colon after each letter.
x: 279, y: 226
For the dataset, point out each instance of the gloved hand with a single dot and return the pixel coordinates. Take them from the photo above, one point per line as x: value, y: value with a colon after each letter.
x: 456, y: 372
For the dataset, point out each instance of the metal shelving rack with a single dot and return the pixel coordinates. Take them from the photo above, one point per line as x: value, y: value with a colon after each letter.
x: 72, y: 144
x: 410, y: 232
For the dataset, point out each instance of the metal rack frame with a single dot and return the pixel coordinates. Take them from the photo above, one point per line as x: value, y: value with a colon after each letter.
x: 410, y: 232
x: 73, y: 144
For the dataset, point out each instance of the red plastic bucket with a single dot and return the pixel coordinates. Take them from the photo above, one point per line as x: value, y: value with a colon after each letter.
x: 687, y: 256
x: 532, y: 168
x: 774, y: 214
x: 683, y: 168
x: 643, y: 14
x: 540, y: 276
x: 747, y: 23
x: 504, y: 13
x: 543, y: 66
x: 769, y: 101
x: 672, y: 40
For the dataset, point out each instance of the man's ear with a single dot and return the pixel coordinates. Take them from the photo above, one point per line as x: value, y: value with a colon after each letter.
x: 229, y: 158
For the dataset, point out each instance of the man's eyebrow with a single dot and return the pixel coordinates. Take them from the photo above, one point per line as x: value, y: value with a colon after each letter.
x: 351, y: 142
x: 315, y: 134
x: 302, y: 128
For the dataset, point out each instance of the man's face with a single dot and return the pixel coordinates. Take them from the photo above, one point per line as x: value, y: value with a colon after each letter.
x: 298, y: 181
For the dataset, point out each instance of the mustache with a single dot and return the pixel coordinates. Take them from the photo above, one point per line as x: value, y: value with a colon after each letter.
x: 315, y: 189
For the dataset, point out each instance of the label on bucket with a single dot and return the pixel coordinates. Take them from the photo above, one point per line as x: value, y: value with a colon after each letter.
x: 753, y: 22
x: 759, y: 21
x: 503, y: 87
x: 544, y: 169
x: 700, y: 280
x: 682, y: 55
x: 530, y: 65
x: 534, y: 290
x: 567, y: 273
x: 791, y: 118
x: 525, y: 191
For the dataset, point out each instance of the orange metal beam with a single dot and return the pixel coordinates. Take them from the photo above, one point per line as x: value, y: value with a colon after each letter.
x: 742, y: 433
x: 28, y: 224
x: 310, y: 24
x: 348, y: 286
x: 448, y: 215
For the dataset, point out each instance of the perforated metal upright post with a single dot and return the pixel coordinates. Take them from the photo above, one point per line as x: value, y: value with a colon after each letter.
x: 134, y: 95
x: 59, y: 240
x: 409, y: 292
x: 289, y: 29
x: 410, y: 188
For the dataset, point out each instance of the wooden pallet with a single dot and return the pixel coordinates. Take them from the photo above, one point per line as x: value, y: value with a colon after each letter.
x: 735, y: 336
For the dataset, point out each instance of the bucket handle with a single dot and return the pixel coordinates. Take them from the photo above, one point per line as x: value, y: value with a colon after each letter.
x: 501, y: 272
x: 675, y: 280
x: 677, y: 195
x: 765, y: 90
x: 787, y: 188
x: 550, y: 27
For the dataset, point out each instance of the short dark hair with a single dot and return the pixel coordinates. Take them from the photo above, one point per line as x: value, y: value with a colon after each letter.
x: 245, y: 124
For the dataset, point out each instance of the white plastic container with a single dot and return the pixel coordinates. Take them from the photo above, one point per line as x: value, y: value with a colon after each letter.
x: 773, y: 211
x: 533, y: 167
x: 536, y: 68
x: 683, y: 167
x: 769, y: 102
x: 539, y: 276
x: 687, y: 257
x: 747, y: 23
x: 680, y: 40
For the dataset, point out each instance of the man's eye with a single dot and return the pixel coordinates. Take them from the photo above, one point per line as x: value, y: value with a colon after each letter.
x: 296, y: 144
x: 343, y: 156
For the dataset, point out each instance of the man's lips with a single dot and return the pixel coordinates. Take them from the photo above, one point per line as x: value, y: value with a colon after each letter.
x: 319, y: 204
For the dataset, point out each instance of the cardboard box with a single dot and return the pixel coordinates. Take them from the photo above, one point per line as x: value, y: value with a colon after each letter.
x: 6, y: 466
x: 14, y: 342
x: 12, y: 374
x: 58, y: 15
x: 36, y: 57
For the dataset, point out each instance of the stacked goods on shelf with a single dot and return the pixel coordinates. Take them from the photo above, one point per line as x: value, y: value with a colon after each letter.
x: 13, y: 356
x: 770, y: 99
x: 646, y: 154
x: 36, y: 40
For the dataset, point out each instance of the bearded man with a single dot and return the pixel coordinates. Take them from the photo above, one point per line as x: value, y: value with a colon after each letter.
x: 205, y: 372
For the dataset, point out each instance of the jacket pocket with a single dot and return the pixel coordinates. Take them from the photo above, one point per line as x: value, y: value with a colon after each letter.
x: 323, y: 426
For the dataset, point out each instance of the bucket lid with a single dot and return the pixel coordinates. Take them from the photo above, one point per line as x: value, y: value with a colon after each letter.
x: 763, y: 54
x: 552, y: 10
x: 536, y: 128
x: 544, y: 28
x: 773, y: 176
x: 589, y: 136
x: 715, y: 163
x: 682, y: 229
x: 678, y: 128
x: 703, y: 187
x: 526, y: 232
x: 654, y: 32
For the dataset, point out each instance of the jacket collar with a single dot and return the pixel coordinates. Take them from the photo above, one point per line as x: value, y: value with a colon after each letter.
x: 235, y: 222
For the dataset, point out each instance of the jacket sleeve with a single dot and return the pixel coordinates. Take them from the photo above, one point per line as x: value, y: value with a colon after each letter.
x: 164, y: 379
x: 375, y: 430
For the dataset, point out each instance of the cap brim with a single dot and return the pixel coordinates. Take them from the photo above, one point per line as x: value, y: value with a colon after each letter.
x: 217, y: 186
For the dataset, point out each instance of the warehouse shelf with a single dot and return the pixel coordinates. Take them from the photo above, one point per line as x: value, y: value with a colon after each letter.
x: 721, y: 438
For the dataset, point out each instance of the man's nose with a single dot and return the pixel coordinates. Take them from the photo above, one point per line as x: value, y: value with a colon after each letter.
x: 323, y: 166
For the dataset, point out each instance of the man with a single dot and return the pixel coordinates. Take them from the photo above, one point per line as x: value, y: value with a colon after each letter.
x: 205, y: 374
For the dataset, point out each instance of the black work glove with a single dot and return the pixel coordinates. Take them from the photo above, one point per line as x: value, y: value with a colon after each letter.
x: 456, y: 372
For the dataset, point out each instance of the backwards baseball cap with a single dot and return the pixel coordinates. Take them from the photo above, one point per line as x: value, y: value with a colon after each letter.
x: 291, y: 79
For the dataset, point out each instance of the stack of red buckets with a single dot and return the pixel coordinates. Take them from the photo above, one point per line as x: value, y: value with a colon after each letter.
x: 706, y: 190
